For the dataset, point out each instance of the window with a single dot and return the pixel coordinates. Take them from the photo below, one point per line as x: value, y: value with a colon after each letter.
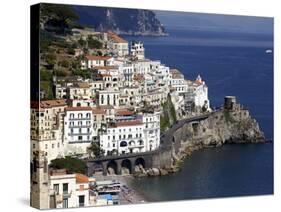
x: 65, y: 188
x: 53, y: 146
x: 65, y: 203
x: 46, y: 146
x: 80, y: 138
x: 33, y: 146
x: 56, y: 188
x: 81, y: 201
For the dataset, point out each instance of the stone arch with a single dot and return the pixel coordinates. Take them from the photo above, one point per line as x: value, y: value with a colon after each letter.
x: 111, y: 167
x: 140, y: 161
x: 139, y: 165
x: 126, y: 167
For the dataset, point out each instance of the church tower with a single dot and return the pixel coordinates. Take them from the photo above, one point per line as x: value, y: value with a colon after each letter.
x: 39, y: 197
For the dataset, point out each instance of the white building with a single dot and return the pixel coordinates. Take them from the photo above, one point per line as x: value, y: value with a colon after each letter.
x: 68, y: 190
x: 177, y: 81
x: 142, y: 66
x: 47, y: 128
x: 137, y: 50
x: 79, y: 90
x: 123, y: 137
x: 151, y: 130
x: 108, y: 97
x: 78, y: 132
x: 198, y: 93
x: 91, y: 61
x: 117, y: 45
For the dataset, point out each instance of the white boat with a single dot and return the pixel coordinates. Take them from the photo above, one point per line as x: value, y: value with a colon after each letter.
x: 268, y: 51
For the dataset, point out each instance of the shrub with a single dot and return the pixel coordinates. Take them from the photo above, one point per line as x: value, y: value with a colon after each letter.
x: 71, y: 164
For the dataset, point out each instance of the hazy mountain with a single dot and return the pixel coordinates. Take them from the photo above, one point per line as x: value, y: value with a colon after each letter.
x: 121, y: 21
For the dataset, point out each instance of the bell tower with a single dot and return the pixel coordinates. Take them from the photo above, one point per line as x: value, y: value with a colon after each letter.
x: 39, y: 197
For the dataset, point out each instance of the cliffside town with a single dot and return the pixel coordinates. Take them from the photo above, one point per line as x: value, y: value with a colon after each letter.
x: 120, y: 107
x: 102, y: 100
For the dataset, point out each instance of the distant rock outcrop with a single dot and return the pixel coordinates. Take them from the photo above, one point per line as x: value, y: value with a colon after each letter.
x: 121, y: 21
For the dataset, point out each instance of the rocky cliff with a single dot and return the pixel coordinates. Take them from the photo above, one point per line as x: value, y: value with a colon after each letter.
x: 221, y: 127
x: 121, y: 21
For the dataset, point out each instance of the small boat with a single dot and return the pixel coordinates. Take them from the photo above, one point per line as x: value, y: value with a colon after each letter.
x: 268, y: 51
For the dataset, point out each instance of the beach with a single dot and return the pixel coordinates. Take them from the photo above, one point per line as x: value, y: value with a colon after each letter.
x: 128, y: 194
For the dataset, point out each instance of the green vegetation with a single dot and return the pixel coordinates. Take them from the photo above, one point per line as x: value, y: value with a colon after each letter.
x: 93, y: 43
x: 58, y: 18
x: 47, y: 87
x: 86, y: 74
x: 168, y: 116
x: 71, y: 164
x: 95, y: 150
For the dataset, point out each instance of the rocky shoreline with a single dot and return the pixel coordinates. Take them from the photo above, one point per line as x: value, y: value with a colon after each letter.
x: 232, y: 125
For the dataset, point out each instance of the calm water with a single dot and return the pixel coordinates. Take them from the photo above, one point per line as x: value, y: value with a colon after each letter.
x: 232, y: 61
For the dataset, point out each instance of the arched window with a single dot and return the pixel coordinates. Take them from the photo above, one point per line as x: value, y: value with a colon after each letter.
x: 123, y: 144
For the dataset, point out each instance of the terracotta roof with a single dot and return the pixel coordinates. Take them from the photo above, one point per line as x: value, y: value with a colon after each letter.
x: 106, y: 67
x: 81, y: 178
x: 56, y: 172
x: 81, y: 85
x: 106, y: 75
x: 98, y: 111
x: 197, y: 82
x: 48, y: 103
x: 138, y: 77
x: 176, y: 74
x: 116, y: 38
x: 77, y: 108
x: 125, y: 123
x: 93, y: 57
x: 123, y: 113
x: 106, y: 107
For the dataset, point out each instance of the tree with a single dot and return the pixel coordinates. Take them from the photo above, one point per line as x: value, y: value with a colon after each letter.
x: 74, y: 165
x: 58, y: 16
x: 50, y: 58
x: 82, y: 42
x: 93, y: 43
x: 64, y: 63
x: 95, y: 150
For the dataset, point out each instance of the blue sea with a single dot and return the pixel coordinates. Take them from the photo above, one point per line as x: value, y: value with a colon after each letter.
x: 229, y: 54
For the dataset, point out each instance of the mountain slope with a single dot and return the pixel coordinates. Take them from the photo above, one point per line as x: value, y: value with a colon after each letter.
x: 121, y: 21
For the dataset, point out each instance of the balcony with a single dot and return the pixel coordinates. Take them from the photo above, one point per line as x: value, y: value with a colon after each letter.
x: 66, y: 194
x: 77, y: 119
x: 77, y: 134
x: 80, y: 126
x: 80, y: 141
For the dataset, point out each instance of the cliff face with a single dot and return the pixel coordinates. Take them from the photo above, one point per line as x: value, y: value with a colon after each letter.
x: 221, y: 127
x: 121, y: 21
